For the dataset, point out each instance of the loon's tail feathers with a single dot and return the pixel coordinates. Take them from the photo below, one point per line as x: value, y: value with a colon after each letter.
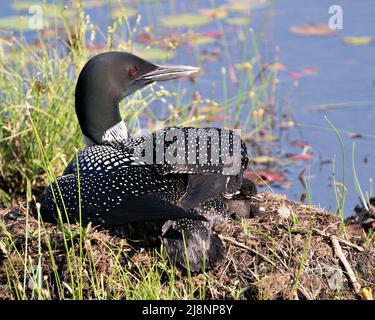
x: 196, y: 247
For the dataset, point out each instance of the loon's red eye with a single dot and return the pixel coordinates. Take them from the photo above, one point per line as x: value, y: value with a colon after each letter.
x: 132, y: 71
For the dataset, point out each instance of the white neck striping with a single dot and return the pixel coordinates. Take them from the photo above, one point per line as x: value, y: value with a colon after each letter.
x: 117, y: 133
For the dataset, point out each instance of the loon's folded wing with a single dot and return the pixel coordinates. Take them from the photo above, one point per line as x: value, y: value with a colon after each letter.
x: 201, y: 188
x: 213, y: 159
x: 95, y: 204
x: 147, y: 207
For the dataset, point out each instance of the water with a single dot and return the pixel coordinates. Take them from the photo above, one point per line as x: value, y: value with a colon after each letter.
x: 346, y: 74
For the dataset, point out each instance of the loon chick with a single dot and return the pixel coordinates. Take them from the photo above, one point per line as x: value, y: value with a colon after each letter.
x: 239, y: 204
x: 175, y: 177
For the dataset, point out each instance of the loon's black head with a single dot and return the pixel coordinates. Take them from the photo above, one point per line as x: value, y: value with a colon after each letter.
x: 108, y: 78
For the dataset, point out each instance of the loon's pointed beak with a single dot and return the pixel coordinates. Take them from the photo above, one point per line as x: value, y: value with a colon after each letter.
x: 163, y: 73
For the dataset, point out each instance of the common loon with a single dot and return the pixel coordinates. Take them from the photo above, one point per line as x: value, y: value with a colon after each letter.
x: 174, y: 178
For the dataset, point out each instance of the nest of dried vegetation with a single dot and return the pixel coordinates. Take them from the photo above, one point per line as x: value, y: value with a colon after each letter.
x: 294, y: 251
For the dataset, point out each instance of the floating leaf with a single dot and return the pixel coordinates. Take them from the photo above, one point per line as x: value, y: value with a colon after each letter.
x: 49, y: 10
x: 216, y: 13
x: 264, y: 160
x: 154, y: 53
x: 295, y: 75
x: 244, y: 5
x: 267, y: 137
x: 52, y: 11
x: 87, y: 4
x: 309, y: 70
x: 238, y: 21
x: 22, y: 5
x: 302, y: 156
x: 213, y: 34
x: 199, y: 39
x: 286, y: 124
x: 123, y: 13
x: 244, y: 66
x: 276, y: 67
x: 301, y: 144
x: 185, y: 20
x: 286, y: 185
x: 322, y: 29
x: 172, y: 41
x: 145, y: 38
x: 357, y: 41
x: 15, y: 23
x: 263, y: 176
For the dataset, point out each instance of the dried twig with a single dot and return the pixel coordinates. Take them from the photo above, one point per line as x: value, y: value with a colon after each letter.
x: 347, y: 267
x: 350, y: 244
x: 303, y: 291
x: 241, y: 245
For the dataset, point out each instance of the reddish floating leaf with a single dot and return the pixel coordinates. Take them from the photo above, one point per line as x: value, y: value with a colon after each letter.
x: 310, y: 70
x: 295, y: 75
x: 232, y: 74
x: 286, y: 124
x: 213, y: 34
x: 263, y: 176
x: 301, y: 144
x: 144, y: 38
x: 216, y: 13
x: 302, y: 156
x: 321, y: 29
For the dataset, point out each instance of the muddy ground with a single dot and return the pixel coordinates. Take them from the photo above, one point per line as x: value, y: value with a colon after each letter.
x: 294, y: 251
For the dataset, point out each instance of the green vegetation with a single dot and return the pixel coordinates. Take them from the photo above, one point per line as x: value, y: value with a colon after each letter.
x: 39, y: 135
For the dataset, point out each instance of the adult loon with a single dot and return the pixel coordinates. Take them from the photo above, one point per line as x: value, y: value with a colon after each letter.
x: 173, y: 179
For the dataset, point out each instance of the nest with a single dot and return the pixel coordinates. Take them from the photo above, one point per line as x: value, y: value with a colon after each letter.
x: 293, y: 251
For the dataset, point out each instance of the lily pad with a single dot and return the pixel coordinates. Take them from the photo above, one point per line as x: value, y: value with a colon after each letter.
x: 49, y: 10
x: 124, y: 12
x: 22, y: 5
x: 263, y: 176
x: 200, y: 39
x: 52, y: 11
x: 153, y: 53
x: 15, y: 23
x: 357, y: 41
x: 238, y: 21
x: 186, y: 20
x: 265, y: 160
x: 87, y: 4
x: 276, y: 67
x: 245, y: 5
x: 244, y: 66
x: 302, y: 156
x: 216, y: 13
x: 321, y: 29
x: 310, y: 70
